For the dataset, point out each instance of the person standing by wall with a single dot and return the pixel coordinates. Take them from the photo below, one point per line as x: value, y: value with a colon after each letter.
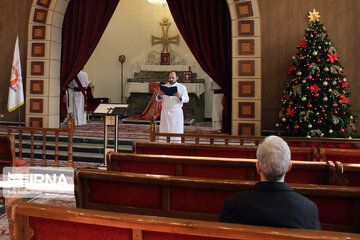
x: 172, y: 116
x: 79, y: 101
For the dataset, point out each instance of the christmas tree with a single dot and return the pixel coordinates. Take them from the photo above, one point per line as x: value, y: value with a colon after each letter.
x: 315, y: 101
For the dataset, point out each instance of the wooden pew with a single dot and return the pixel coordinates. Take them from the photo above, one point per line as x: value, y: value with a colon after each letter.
x: 44, y: 132
x: 212, y: 150
x: 341, y: 155
x: 200, y: 198
x: 347, y: 174
x: 7, y: 151
x: 255, y: 140
x: 41, y: 221
x: 209, y: 167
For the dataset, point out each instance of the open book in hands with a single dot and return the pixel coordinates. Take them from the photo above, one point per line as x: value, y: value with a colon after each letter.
x: 169, y: 90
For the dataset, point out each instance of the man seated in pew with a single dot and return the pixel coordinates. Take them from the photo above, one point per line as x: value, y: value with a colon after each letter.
x: 271, y: 202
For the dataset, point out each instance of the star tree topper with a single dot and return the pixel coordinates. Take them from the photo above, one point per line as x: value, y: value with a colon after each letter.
x: 314, y: 16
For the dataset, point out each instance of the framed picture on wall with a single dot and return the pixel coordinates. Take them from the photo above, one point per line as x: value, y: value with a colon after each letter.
x: 187, y: 76
x: 165, y: 59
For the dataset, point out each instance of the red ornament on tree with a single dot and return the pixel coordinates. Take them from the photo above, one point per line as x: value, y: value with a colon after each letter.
x: 344, y: 113
x: 335, y: 104
x: 319, y: 121
x: 316, y: 95
x: 318, y: 60
x: 309, y: 105
x: 335, y: 112
x: 309, y: 77
x: 291, y: 103
x: 323, y: 110
x: 342, y: 130
x: 318, y: 75
x: 296, y: 127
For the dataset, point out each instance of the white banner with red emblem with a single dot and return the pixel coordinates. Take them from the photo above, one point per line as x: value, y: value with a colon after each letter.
x: 16, y: 90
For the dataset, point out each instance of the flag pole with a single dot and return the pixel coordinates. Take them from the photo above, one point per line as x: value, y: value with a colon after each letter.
x: 19, y: 117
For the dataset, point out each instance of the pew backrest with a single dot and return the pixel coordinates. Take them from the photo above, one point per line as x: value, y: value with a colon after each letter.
x: 39, y: 221
x: 7, y: 151
x: 347, y: 174
x: 341, y: 155
x: 213, y: 150
x: 199, y: 198
x: 227, y: 139
x: 211, y: 167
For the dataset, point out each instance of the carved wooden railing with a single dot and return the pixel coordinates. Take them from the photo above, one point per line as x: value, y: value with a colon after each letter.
x: 245, y: 140
x: 44, y: 132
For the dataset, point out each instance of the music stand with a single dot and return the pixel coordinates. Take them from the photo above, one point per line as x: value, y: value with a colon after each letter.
x: 111, y: 112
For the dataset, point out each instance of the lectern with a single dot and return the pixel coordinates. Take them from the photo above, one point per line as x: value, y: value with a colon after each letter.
x: 111, y: 112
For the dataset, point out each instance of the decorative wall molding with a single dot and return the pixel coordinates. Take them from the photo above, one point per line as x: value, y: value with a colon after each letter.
x: 40, y: 15
x: 246, y: 28
x: 37, y: 68
x: 246, y: 47
x: 244, y: 9
x: 246, y: 110
x: 38, y: 49
x: 36, y: 86
x: 36, y: 122
x: 246, y: 68
x: 246, y: 89
x: 247, y: 129
x: 43, y: 3
x: 36, y: 106
x: 38, y: 32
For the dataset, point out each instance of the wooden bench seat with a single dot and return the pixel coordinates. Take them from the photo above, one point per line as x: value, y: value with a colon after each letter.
x: 341, y: 155
x: 222, y: 168
x: 347, y: 174
x: 200, y: 198
x: 213, y: 150
x: 38, y: 221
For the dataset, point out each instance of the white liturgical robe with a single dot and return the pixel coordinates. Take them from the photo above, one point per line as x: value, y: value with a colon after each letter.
x: 172, y: 116
x: 78, y: 102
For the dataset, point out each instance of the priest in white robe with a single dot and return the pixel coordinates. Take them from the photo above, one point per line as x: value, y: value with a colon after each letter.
x: 79, y: 99
x: 172, y: 116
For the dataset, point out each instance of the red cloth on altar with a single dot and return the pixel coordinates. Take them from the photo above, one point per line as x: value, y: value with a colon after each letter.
x: 153, y: 109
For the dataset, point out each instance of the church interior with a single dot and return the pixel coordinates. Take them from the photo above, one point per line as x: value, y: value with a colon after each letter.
x: 244, y: 64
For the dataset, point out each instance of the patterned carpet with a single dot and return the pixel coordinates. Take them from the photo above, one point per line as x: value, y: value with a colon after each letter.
x: 134, y: 131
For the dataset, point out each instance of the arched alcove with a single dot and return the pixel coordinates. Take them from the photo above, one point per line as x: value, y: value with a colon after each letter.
x: 44, y: 57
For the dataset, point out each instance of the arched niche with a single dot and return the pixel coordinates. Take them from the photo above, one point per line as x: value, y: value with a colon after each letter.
x: 44, y: 58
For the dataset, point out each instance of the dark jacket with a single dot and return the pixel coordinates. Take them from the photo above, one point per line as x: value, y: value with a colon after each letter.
x: 271, y: 204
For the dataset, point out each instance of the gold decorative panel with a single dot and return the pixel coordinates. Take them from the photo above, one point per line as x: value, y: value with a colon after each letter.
x: 38, y: 49
x: 36, y: 122
x: 40, y: 15
x: 246, y: 89
x: 246, y: 47
x: 246, y: 68
x: 246, y: 129
x: 43, y: 3
x: 246, y: 110
x: 36, y: 106
x: 37, y: 68
x: 246, y: 28
x: 38, y: 32
x: 36, y: 86
x: 244, y: 9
